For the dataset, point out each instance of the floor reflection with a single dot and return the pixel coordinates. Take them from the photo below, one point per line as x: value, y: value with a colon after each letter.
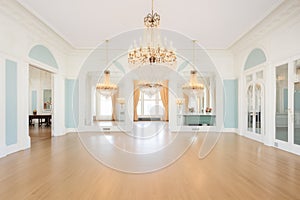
x: 147, y: 147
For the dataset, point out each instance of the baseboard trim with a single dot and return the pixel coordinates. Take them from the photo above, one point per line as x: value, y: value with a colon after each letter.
x: 2, y: 152
x: 70, y: 130
x: 6, y: 150
x: 230, y: 130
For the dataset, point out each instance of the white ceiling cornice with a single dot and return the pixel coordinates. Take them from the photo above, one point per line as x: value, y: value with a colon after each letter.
x: 216, y: 23
x: 279, y: 16
x: 33, y: 25
x: 29, y: 20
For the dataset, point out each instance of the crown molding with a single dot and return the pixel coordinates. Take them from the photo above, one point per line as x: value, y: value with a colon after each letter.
x: 39, y: 30
x: 284, y: 12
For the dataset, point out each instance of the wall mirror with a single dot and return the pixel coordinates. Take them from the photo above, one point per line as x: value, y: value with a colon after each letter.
x: 47, y: 100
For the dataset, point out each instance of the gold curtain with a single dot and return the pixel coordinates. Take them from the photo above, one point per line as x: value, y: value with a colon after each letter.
x: 136, y: 97
x: 113, y: 104
x: 164, y: 94
x: 186, y: 102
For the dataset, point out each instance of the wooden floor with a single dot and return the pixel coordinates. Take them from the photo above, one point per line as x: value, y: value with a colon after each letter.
x: 237, y: 168
x: 38, y: 133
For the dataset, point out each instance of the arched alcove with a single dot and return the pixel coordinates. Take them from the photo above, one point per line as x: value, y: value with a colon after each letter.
x: 43, y: 55
x: 256, y: 57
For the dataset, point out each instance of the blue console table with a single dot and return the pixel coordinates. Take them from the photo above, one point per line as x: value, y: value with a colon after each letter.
x: 199, y: 119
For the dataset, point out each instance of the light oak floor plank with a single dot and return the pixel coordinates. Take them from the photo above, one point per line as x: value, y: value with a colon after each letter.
x: 237, y: 168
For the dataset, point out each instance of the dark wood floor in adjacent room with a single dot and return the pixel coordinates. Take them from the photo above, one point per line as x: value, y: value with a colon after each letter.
x: 237, y: 168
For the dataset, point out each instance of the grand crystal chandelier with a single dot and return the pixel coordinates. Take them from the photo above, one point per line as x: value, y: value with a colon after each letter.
x: 150, y: 88
x: 106, y: 88
x: 193, y: 87
x: 151, y: 50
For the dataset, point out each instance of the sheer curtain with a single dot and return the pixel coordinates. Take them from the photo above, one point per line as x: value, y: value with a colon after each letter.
x: 136, y: 96
x: 113, y: 104
x: 186, y: 102
x: 164, y: 94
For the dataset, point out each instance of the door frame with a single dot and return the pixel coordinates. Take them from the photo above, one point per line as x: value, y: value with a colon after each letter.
x: 253, y: 135
x: 53, y: 73
x: 252, y: 71
x: 289, y: 145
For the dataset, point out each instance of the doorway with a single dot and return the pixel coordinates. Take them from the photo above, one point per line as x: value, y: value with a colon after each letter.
x: 287, y: 115
x: 255, y: 105
x: 40, y: 104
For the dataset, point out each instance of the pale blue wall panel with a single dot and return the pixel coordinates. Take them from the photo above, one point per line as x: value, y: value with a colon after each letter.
x: 11, y: 99
x: 230, y: 103
x: 256, y: 57
x: 43, y: 55
x: 71, y: 103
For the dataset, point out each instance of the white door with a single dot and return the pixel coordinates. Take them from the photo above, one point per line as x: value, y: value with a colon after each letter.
x: 255, y: 106
x: 287, y: 115
x: 296, y: 114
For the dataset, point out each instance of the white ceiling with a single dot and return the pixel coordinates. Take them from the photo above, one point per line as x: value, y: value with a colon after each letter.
x: 216, y: 24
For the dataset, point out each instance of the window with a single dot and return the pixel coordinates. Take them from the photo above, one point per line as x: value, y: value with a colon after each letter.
x: 102, y: 107
x: 105, y: 106
x: 150, y: 105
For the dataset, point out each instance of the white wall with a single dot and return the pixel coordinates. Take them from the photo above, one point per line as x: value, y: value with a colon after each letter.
x: 22, y: 31
x: 278, y: 37
x: 19, y: 32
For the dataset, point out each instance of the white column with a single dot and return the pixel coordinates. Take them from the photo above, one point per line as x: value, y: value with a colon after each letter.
x: 88, y: 107
x: 97, y: 106
x: 23, y: 91
x: 173, y: 114
x: 242, y: 115
x: 291, y: 76
x: 212, y: 97
x: 58, y: 107
x: 219, y: 104
x: 81, y: 100
x: 270, y: 105
x: 2, y: 107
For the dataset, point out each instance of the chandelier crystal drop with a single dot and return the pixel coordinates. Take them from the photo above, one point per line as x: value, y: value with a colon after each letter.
x: 150, y: 49
x: 150, y: 88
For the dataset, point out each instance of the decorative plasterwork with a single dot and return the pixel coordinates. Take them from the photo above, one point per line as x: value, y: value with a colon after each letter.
x: 15, y: 11
x: 279, y: 16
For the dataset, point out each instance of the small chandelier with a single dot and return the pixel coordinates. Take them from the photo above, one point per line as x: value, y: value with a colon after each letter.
x: 106, y: 88
x: 151, y: 52
x: 193, y: 87
x: 150, y: 88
